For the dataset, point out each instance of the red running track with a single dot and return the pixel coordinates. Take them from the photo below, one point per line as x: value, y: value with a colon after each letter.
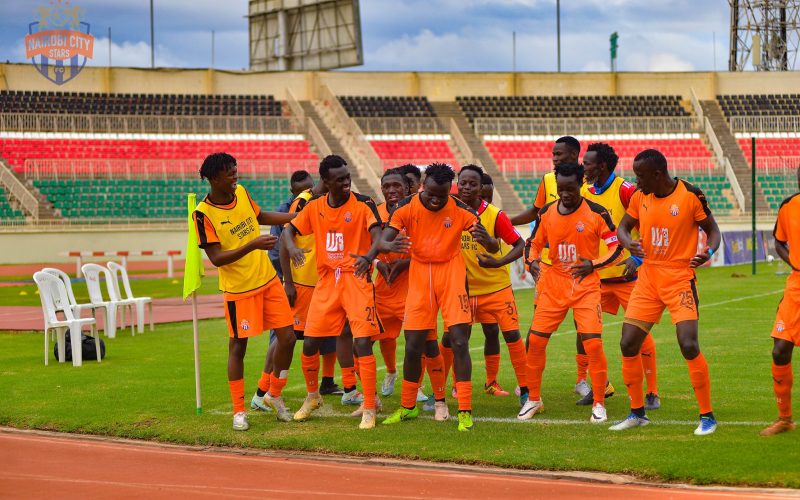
x: 46, y: 465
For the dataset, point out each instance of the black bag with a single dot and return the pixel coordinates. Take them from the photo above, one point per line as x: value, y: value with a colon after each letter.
x: 87, y: 348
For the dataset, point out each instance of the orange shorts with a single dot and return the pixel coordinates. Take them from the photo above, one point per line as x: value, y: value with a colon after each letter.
x: 615, y: 295
x: 338, y: 300
x: 787, y: 321
x: 262, y: 309
x: 558, y: 294
x: 301, y: 303
x: 434, y: 286
x: 496, y: 307
x: 660, y: 288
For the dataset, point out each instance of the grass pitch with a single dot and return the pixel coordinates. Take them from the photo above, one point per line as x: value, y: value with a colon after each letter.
x: 144, y: 389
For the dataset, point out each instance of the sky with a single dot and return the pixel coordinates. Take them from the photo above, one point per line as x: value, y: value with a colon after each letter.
x: 414, y: 35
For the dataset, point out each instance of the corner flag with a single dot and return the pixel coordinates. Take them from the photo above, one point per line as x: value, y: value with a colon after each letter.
x: 193, y: 267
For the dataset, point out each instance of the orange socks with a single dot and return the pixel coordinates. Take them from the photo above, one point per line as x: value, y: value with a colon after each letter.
x: 598, y: 367
x: 328, y: 364
x: 237, y: 394
x: 310, y: 365
x: 263, y: 382
x: 698, y: 374
x: 447, y: 355
x: 367, y: 371
x: 276, y: 385
x: 492, y: 367
x: 464, y: 390
x: 582, y: 362
x: 389, y: 353
x: 516, y: 351
x: 436, y: 374
x: 649, y: 363
x: 633, y: 377
x: 408, y: 394
x: 349, y: 376
x: 782, y: 379
x: 537, y: 358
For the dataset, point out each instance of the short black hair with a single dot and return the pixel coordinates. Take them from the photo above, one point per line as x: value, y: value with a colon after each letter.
x: 486, y: 179
x: 299, y: 176
x: 329, y: 162
x: 478, y: 170
x: 396, y: 171
x: 605, y: 154
x: 408, y: 168
x: 570, y: 169
x: 216, y: 163
x: 654, y: 158
x: 571, y: 142
x: 441, y: 173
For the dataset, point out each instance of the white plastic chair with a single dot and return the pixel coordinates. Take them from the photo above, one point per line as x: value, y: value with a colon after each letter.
x: 77, y: 309
x: 118, y: 271
x: 92, y: 272
x: 53, y: 295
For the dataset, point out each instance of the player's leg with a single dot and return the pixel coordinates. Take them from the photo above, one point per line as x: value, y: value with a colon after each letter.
x: 327, y: 353
x: 687, y: 332
x: 491, y: 356
x: 519, y: 361
x: 344, y: 353
x: 257, y: 402
x: 412, y: 369
x: 535, y: 364
x: 388, y: 345
x: 782, y: 380
x: 310, y: 367
x: 277, y: 314
x: 446, y: 348
x: 368, y: 372
x: 619, y: 294
x: 434, y: 365
x: 598, y: 370
x: 582, y: 386
x: 462, y: 372
x: 633, y: 333
x: 237, y: 347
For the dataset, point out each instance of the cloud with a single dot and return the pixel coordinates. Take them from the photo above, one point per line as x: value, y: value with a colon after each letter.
x: 664, y: 61
x: 130, y: 54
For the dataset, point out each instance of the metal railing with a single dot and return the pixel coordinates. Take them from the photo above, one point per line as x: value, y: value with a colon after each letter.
x: 85, y: 224
x: 698, y: 109
x: 460, y: 141
x: 130, y: 124
x: 317, y: 139
x: 725, y: 162
x: 586, y: 126
x: 297, y: 109
x: 18, y: 190
x: 398, y: 125
x: 757, y: 124
x: 771, y: 164
x: 159, y: 168
x: 536, y: 167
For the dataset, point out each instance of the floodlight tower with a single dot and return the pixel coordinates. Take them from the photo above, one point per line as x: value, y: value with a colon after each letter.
x: 765, y: 32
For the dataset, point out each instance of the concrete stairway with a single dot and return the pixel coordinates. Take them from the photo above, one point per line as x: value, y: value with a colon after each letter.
x: 46, y: 210
x: 733, y: 152
x: 510, y: 202
x: 360, y: 184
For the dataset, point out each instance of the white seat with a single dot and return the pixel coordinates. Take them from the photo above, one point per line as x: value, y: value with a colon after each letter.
x: 53, y: 295
x: 118, y: 271
x: 77, y: 309
x: 92, y: 272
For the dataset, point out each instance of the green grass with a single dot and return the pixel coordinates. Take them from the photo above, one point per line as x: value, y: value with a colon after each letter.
x: 145, y: 390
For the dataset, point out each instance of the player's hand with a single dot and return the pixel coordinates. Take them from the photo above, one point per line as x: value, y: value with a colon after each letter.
x: 361, y: 265
x: 397, y: 267
x: 291, y: 292
x: 489, y: 262
x: 636, y: 249
x: 385, y: 271
x: 401, y: 244
x: 582, y: 269
x: 699, y: 259
x: 630, y: 266
x: 264, y: 242
x: 298, y: 256
x: 535, y: 270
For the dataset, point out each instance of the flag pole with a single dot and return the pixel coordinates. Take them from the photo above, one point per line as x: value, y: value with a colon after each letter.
x: 196, y: 335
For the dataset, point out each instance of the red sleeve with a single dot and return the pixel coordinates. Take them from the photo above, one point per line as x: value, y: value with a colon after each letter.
x: 626, y: 191
x: 505, y: 230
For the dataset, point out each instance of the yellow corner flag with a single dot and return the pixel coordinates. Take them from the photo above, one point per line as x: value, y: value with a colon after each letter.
x: 193, y: 268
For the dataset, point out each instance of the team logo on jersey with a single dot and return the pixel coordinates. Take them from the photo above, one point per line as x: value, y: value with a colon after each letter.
x: 245, y: 325
x: 348, y: 216
x: 780, y: 326
x: 580, y: 226
x: 674, y: 210
x: 448, y: 222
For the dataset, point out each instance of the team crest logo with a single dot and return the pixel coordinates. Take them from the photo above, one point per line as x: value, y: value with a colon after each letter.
x: 448, y: 222
x: 580, y: 226
x: 348, y: 216
x: 59, y: 44
x: 674, y: 210
x: 245, y: 325
x: 780, y: 326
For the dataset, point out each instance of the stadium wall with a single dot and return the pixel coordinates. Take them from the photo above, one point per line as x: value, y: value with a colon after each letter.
x: 435, y: 86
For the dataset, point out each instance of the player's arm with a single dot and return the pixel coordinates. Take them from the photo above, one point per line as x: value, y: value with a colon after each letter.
x: 481, y: 235
x: 274, y: 218
x: 626, y: 225
x: 526, y: 217
x: 782, y: 249
x: 295, y: 254
x: 534, y: 246
x: 608, y: 233
x: 714, y: 238
x: 220, y: 257
x: 286, y: 266
x: 505, y: 231
x: 363, y: 262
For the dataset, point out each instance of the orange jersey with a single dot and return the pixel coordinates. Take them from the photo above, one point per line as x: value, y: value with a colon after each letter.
x: 435, y: 236
x: 399, y: 288
x: 577, y: 234
x: 668, y: 225
x: 787, y: 229
x: 340, y: 231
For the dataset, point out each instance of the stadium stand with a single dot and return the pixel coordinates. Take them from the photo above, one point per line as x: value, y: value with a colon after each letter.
x: 760, y: 105
x: 394, y: 153
x: 7, y: 212
x: 773, y: 147
x: 387, y: 106
x: 137, y: 104
x: 570, y: 106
